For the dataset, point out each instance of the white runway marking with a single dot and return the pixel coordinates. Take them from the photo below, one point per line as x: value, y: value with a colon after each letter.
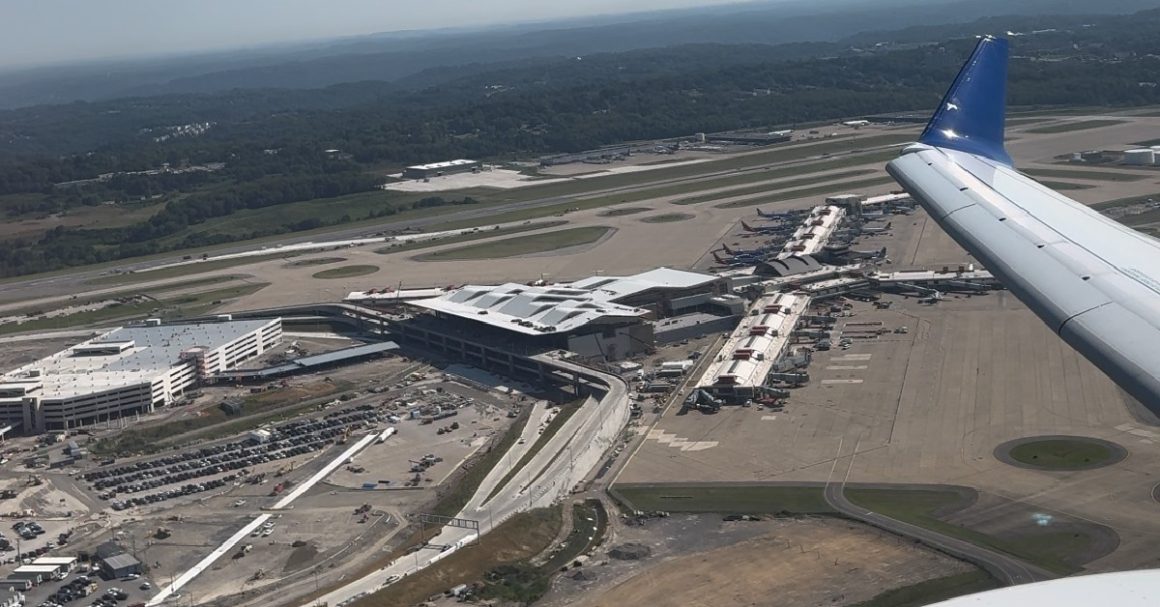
x: 768, y: 418
x: 677, y: 442
x: 841, y: 381
x: 852, y: 357
x: 845, y: 367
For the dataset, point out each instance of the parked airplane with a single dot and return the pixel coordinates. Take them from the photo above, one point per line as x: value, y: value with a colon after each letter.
x: 746, y: 252
x: 734, y: 262
x: 777, y: 229
x: 761, y: 213
x: 1093, y: 281
x: 877, y: 229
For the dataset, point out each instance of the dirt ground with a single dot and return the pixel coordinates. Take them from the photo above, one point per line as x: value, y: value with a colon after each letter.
x: 16, y: 354
x: 700, y: 560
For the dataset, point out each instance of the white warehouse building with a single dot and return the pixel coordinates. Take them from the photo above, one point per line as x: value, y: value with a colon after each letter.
x: 127, y: 371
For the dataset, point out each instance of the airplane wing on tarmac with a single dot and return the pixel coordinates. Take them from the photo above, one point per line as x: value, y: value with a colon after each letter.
x: 1095, y: 282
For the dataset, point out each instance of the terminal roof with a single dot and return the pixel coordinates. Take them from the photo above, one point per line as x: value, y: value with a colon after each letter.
x: 616, y: 287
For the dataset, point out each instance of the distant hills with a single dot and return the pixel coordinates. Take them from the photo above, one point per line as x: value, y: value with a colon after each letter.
x: 392, y: 57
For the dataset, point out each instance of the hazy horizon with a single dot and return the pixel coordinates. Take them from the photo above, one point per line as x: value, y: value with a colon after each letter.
x: 70, y: 31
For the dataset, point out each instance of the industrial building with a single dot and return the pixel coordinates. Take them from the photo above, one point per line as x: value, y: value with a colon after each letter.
x: 127, y: 371
x: 118, y: 566
x: 438, y: 169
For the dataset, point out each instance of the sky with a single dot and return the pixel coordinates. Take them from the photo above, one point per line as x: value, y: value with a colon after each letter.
x: 38, y: 32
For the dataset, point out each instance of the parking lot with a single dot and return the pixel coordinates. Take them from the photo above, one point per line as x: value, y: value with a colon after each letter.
x: 84, y: 588
x: 156, y: 480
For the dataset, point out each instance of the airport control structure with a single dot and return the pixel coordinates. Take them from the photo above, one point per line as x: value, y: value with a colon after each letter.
x: 128, y: 371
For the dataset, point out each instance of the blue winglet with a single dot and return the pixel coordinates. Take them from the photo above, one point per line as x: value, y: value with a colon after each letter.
x: 971, y: 116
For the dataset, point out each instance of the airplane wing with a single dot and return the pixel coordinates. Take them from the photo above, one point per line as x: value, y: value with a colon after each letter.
x: 1095, y: 282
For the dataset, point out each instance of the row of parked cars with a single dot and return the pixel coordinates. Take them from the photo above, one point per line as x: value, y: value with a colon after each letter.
x: 288, y: 440
x: 168, y: 494
x: 27, y: 529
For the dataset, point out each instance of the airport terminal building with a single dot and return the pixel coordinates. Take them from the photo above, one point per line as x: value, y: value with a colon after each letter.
x: 601, y: 317
x: 127, y: 371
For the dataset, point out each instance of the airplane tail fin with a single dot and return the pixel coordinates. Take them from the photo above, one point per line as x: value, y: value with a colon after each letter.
x: 745, y: 226
x: 718, y: 258
x: 971, y: 116
x: 725, y: 247
x: 761, y: 213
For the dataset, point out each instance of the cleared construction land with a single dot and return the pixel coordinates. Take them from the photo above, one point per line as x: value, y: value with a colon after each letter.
x: 700, y: 560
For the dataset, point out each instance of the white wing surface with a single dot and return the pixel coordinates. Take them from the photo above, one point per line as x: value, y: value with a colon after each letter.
x: 1094, y: 281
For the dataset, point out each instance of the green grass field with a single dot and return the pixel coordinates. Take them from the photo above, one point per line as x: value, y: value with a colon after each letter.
x: 667, y: 218
x: 1061, y: 454
x: 609, y: 200
x: 771, y: 155
x: 468, y: 237
x: 177, y: 307
x: 625, y: 211
x: 346, y: 272
x: 1077, y: 125
x: 769, y: 187
x: 191, y: 269
x: 1064, y: 186
x: 92, y: 217
x: 521, y: 245
x: 850, y: 186
x: 931, y: 591
x: 922, y: 507
x: 1082, y: 174
x: 1023, y: 121
x: 315, y: 261
x: 723, y: 498
x: 1123, y: 202
x: 848, y: 151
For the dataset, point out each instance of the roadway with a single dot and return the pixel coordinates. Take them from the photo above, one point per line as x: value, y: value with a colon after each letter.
x: 561, y: 464
x: 1007, y: 569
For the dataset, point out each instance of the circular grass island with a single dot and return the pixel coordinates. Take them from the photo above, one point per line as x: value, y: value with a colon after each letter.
x: 1060, y: 453
x: 346, y: 272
